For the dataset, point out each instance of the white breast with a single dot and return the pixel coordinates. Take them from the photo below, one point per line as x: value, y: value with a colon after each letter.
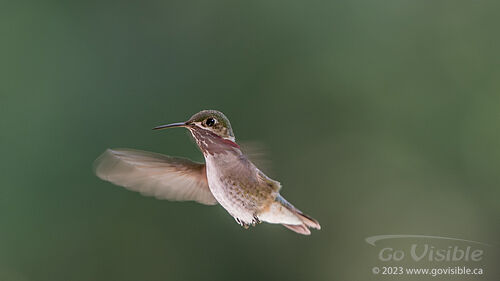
x: 223, y: 193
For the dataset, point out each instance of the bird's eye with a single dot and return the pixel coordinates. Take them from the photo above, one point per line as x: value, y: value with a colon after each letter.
x: 210, y: 122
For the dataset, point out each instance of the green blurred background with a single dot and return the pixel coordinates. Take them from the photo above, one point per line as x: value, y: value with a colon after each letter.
x: 380, y: 117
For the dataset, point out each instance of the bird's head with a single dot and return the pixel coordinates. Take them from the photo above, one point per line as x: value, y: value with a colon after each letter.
x: 206, y: 123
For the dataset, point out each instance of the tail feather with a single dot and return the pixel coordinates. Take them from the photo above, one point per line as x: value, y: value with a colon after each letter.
x: 307, y: 221
x: 299, y: 228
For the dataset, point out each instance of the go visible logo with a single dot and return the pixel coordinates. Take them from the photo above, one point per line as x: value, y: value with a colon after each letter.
x: 472, y: 251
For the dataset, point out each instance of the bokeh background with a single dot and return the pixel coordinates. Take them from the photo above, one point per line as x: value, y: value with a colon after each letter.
x: 379, y: 117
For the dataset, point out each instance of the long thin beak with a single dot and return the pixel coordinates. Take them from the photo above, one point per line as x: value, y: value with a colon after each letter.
x: 173, y: 125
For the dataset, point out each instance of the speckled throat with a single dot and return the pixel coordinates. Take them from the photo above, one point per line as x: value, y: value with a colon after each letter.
x: 210, y: 143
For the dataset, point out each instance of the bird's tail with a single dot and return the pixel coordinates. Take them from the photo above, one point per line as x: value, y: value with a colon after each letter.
x: 282, y: 212
x: 307, y: 221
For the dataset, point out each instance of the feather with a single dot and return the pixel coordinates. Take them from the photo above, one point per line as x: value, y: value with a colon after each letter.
x: 153, y: 174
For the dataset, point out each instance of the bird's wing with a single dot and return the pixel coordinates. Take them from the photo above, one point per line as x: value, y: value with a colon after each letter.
x: 258, y: 154
x: 154, y: 174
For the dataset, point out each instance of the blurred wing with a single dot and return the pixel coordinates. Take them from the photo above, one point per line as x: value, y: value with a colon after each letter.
x: 154, y: 174
x: 258, y: 153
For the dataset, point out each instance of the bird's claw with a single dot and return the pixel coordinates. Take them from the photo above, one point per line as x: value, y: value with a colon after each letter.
x: 245, y: 225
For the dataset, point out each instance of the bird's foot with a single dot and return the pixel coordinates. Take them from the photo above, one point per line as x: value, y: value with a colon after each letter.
x: 255, y: 220
x: 242, y: 223
x: 246, y: 225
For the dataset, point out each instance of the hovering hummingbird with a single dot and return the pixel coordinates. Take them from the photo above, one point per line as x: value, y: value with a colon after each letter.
x: 228, y: 177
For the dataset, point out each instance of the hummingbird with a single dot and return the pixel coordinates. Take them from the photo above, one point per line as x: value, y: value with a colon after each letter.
x: 227, y: 177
